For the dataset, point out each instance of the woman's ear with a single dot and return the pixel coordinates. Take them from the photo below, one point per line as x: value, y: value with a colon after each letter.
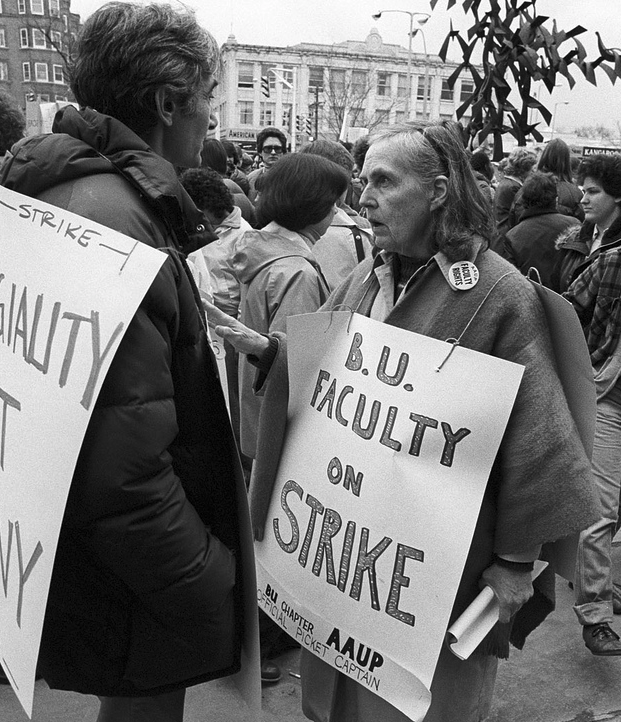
x: 440, y: 192
x: 165, y: 106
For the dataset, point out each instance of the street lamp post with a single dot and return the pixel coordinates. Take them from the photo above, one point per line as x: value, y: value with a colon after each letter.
x: 426, y: 84
x: 562, y: 102
x: 424, y: 17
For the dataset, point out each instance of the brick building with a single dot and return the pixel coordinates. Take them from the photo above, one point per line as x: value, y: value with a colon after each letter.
x: 35, y: 37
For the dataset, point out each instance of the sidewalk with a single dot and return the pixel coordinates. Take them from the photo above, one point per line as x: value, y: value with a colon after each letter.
x: 555, y: 679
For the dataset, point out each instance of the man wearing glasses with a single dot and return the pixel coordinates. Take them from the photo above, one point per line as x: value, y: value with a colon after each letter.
x: 271, y: 146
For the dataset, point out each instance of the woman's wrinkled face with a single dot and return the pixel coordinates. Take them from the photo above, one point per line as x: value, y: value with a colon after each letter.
x: 398, y: 206
x: 185, y: 137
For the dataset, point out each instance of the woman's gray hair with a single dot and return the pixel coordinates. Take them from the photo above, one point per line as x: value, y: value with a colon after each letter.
x: 434, y: 149
x: 126, y: 51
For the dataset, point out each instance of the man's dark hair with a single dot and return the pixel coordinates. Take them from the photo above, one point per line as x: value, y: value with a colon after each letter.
x: 213, y: 155
x: 539, y: 191
x: 232, y: 150
x: 12, y: 122
x: 299, y: 191
x: 481, y: 163
x: 359, y: 151
x: 208, y: 191
x: 605, y: 169
x: 270, y: 132
x: 126, y: 51
x: 332, y: 150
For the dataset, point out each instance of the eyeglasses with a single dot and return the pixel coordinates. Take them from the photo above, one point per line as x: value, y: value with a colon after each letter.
x: 272, y: 149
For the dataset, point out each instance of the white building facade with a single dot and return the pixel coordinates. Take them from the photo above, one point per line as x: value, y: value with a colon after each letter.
x: 331, y: 91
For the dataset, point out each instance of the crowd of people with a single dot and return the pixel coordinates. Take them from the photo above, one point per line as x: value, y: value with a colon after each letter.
x: 146, y: 594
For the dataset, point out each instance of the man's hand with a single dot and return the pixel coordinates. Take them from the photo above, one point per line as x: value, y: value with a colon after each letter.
x: 242, y: 338
x: 511, y: 588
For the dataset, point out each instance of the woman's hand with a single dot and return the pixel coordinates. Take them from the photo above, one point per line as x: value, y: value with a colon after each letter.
x: 242, y: 338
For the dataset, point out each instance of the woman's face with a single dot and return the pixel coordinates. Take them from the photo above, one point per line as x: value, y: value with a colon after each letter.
x: 183, y: 138
x: 599, y: 207
x: 397, y: 205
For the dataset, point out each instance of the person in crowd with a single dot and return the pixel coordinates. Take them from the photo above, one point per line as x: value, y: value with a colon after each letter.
x: 518, y: 165
x: 427, y: 213
x: 214, y: 156
x: 233, y: 165
x: 12, y: 122
x: 531, y: 244
x: 484, y: 173
x: 212, y: 265
x: 349, y: 239
x: 271, y: 146
x: 600, y: 177
x: 281, y: 277
x: 595, y: 294
x: 145, y: 597
x: 276, y: 266
x: 556, y: 159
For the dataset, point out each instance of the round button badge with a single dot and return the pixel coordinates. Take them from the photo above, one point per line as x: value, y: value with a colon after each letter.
x: 463, y: 276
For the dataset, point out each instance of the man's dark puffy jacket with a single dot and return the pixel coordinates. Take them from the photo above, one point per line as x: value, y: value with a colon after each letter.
x: 145, y: 594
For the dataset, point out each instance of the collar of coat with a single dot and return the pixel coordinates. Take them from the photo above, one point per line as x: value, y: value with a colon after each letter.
x: 85, y: 143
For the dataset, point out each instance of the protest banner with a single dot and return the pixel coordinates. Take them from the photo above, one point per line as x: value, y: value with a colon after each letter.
x: 390, y: 441
x: 68, y: 290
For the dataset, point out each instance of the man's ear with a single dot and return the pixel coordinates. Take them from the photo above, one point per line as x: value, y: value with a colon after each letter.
x: 165, y: 106
x: 440, y: 192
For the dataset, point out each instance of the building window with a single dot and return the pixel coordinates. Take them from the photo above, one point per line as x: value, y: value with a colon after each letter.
x: 57, y: 40
x: 2, y: 38
x: 41, y: 74
x: 62, y: 98
x: 402, y: 86
x: 382, y: 117
x: 447, y: 93
x: 55, y: 8
x: 38, y: 38
x: 59, y: 76
x: 359, y: 82
x: 245, y: 75
x: 245, y: 113
x: 315, y: 78
x: 26, y: 72
x: 36, y: 7
x: 420, y: 90
x: 399, y: 117
x: 4, y: 70
x: 337, y: 81
x: 23, y: 37
x: 44, y: 98
x: 467, y: 88
x: 383, y: 84
x: 21, y: 7
x: 356, y: 116
x: 267, y: 114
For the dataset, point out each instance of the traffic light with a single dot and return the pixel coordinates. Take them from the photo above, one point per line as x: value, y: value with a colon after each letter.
x: 265, y: 86
x: 298, y: 123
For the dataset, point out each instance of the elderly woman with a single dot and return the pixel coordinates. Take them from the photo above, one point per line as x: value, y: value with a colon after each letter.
x: 144, y: 598
x: 428, y: 213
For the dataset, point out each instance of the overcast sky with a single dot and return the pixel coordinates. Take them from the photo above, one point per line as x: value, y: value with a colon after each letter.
x: 287, y: 22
